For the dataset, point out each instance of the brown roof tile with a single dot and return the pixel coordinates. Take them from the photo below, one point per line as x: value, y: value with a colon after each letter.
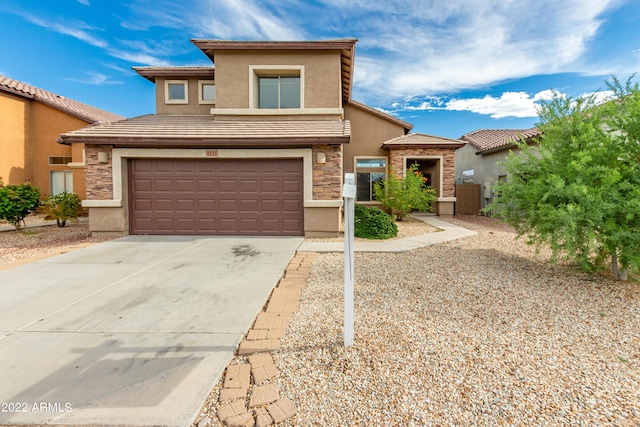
x: 491, y: 139
x: 422, y: 140
x: 202, y: 130
x: 75, y: 108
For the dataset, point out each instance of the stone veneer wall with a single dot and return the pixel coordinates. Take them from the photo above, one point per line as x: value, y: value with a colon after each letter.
x: 397, y: 155
x: 99, y: 176
x: 327, y: 177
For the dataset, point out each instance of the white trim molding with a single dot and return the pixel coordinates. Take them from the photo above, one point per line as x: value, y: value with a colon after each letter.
x: 256, y: 71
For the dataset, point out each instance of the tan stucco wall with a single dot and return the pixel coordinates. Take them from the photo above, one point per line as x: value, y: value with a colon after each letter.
x: 13, y: 112
x: 193, y: 107
x: 108, y: 220
x: 28, y: 134
x: 322, y: 79
x: 322, y: 222
x: 368, y: 132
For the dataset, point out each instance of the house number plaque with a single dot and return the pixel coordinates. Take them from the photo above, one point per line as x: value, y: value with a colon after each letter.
x: 211, y: 153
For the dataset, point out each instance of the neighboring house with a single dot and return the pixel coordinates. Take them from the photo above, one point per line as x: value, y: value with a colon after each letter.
x: 31, y: 120
x: 478, y: 161
x: 257, y: 145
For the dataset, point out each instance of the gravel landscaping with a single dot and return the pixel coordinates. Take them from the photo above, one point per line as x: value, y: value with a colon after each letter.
x: 478, y: 331
x: 16, y: 245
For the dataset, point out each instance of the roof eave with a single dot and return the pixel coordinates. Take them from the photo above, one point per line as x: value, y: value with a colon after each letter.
x: 202, y: 142
x: 426, y: 145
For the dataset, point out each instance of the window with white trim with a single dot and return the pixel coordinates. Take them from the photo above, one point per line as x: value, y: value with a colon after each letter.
x: 276, y: 87
x: 176, y: 91
x: 206, y: 92
x: 279, y: 92
x: 61, y: 181
x: 369, y: 171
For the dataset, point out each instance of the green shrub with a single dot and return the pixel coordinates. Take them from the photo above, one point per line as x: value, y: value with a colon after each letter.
x: 18, y: 201
x: 374, y: 223
x: 62, y: 207
x: 400, y: 196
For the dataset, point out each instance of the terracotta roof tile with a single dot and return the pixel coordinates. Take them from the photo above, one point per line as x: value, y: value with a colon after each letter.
x: 69, y: 106
x: 201, y: 129
x: 490, y: 139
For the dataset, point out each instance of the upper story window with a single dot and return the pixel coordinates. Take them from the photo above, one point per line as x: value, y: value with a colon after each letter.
x: 176, y: 91
x: 207, y: 92
x: 279, y: 92
x: 276, y: 86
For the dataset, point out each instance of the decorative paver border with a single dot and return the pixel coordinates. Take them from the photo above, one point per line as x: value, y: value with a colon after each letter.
x: 250, y: 395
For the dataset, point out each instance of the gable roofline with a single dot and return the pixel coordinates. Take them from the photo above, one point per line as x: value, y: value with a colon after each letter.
x: 150, y: 73
x: 406, y: 125
x: 492, y: 140
x: 422, y: 140
x: 80, y: 110
x: 346, y: 47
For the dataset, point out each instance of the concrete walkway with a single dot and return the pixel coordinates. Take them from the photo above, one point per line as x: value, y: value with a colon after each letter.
x: 449, y: 232
x: 131, y: 332
x: 34, y: 221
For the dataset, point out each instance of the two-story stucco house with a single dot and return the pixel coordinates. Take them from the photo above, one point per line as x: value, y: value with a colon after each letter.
x: 31, y: 120
x: 255, y: 144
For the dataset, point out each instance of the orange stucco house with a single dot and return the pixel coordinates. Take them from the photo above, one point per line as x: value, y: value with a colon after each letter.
x: 31, y: 120
x: 257, y: 143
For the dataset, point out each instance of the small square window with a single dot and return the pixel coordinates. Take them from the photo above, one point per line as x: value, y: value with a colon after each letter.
x: 176, y: 92
x: 206, y: 92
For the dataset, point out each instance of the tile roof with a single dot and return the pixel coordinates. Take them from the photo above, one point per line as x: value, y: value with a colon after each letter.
x: 408, y: 126
x: 203, y: 130
x: 75, y: 108
x: 422, y: 140
x: 491, y: 139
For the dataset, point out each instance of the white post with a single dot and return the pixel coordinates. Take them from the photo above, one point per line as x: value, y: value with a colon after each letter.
x: 349, y: 194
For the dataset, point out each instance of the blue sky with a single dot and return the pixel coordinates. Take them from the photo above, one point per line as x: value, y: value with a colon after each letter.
x: 448, y: 67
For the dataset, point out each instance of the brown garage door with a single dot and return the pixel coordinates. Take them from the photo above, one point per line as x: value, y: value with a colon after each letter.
x: 227, y: 197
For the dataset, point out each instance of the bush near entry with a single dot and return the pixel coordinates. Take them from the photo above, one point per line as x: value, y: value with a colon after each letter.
x: 374, y: 223
x: 18, y: 201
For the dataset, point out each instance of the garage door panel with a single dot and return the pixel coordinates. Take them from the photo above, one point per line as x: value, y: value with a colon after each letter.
x: 164, y: 205
x: 216, y: 196
x: 163, y: 186
x: 185, y: 185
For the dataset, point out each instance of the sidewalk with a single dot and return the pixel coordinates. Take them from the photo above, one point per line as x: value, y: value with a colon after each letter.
x: 449, y: 232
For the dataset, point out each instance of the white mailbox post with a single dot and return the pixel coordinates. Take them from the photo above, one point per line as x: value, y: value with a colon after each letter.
x: 349, y: 194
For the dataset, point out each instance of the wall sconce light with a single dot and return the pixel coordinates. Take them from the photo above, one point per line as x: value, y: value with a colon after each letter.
x: 321, y: 158
x: 103, y: 157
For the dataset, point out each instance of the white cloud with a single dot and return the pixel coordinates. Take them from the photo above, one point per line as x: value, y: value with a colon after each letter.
x: 95, y: 78
x: 77, y: 30
x: 224, y: 19
x: 431, y: 48
x: 84, y: 2
x: 139, y: 58
x: 509, y: 104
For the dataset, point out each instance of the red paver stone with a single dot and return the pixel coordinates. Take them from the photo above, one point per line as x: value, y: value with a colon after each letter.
x: 264, y: 394
x: 232, y: 394
x: 282, y: 409
x: 238, y: 376
x: 228, y: 410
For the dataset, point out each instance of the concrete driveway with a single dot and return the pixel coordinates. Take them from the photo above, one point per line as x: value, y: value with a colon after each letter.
x: 135, y: 331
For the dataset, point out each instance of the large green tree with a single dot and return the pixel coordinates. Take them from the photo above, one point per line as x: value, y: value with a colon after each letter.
x: 581, y: 193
